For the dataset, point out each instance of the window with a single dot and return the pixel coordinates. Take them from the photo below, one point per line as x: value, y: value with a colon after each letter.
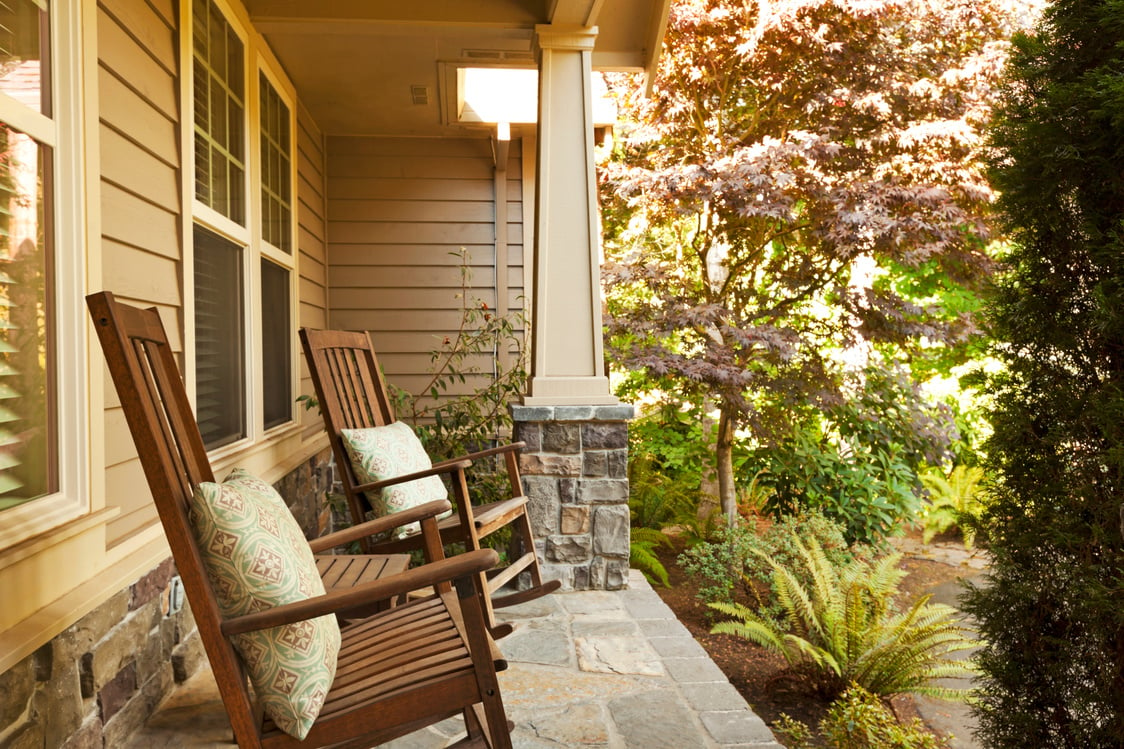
x: 275, y: 169
x: 242, y: 138
x: 220, y: 381
x: 220, y: 164
x: 28, y: 330
x: 276, y: 351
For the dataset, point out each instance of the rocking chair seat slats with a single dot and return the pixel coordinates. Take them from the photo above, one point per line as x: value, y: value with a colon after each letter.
x: 398, y: 670
x: 403, y: 672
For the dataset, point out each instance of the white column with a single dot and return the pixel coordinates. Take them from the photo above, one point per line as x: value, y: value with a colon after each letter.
x: 567, y: 362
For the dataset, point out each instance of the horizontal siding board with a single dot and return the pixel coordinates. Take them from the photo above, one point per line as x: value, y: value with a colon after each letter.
x: 397, y: 254
x: 120, y: 53
x: 126, y: 489
x: 423, y: 322
x: 311, y: 221
x: 313, y: 293
x: 416, y: 383
x: 166, y: 9
x: 405, y: 167
x: 127, y: 112
x: 310, y: 163
x: 136, y: 273
x: 118, y: 450
x: 153, y: 31
x: 313, y: 316
x: 363, y: 188
x: 413, y: 210
x: 133, y: 221
x: 340, y: 276
x: 477, y: 148
x: 405, y: 299
x: 409, y: 233
x: 312, y: 268
x: 138, y: 171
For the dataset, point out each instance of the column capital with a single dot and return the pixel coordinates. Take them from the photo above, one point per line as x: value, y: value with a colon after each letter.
x: 564, y: 36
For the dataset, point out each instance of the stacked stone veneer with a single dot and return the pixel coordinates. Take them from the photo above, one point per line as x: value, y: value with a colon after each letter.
x: 575, y: 475
x: 96, y: 683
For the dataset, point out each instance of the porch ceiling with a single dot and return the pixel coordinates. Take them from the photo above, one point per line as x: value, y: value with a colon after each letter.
x: 354, y: 62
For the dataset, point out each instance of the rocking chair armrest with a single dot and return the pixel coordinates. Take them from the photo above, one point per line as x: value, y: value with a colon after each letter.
x: 379, y: 525
x: 498, y: 450
x: 450, y: 466
x: 461, y: 567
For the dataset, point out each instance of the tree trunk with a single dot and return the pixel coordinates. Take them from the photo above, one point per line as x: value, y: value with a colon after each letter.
x: 708, y: 486
x: 724, y: 454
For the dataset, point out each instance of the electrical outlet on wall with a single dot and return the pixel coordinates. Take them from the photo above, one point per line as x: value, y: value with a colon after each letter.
x: 173, y: 597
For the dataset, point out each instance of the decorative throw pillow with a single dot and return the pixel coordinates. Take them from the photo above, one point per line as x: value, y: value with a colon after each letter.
x: 256, y: 558
x: 379, y: 453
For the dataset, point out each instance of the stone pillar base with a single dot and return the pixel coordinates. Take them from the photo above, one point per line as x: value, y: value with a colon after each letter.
x: 575, y: 475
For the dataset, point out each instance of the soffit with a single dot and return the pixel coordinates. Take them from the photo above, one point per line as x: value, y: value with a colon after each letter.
x: 354, y: 62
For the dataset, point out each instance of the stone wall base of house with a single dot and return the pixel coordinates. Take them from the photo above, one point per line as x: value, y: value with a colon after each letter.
x: 96, y: 683
x: 575, y: 475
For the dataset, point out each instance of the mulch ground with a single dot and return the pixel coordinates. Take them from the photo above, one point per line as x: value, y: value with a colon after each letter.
x: 762, y: 678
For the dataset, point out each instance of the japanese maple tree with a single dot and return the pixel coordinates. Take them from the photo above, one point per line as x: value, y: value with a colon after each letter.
x: 803, y: 183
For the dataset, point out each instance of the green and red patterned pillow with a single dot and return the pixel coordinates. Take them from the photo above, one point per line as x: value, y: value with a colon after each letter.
x: 384, y: 452
x: 256, y: 558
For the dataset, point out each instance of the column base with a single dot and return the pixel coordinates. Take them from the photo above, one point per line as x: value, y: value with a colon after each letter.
x: 575, y: 476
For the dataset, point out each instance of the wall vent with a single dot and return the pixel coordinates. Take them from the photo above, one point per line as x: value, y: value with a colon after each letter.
x: 498, y: 55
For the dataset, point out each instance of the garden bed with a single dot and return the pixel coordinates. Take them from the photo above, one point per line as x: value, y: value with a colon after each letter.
x: 761, y: 677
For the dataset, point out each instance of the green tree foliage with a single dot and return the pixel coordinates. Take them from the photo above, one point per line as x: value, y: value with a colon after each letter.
x: 802, y: 185
x: 1053, y: 613
x: 844, y: 628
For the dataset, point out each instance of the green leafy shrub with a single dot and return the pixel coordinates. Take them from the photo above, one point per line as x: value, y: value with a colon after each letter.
x: 737, y: 559
x: 868, y: 491
x: 796, y: 734
x: 843, y: 627
x: 859, y: 720
x: 954, y: 501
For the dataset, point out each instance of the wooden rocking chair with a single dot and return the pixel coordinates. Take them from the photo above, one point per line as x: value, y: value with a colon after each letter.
x: 398, y: 670
x: 352, y: 395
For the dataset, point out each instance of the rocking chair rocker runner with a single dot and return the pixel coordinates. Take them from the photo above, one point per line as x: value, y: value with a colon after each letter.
x: 398, y: 670
x: 353, y: 396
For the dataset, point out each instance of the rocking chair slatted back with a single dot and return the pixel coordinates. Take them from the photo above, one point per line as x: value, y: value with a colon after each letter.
x: 351, y: 366
x: 381, y: 691
x: 174, y: 461
x: 353, y: 395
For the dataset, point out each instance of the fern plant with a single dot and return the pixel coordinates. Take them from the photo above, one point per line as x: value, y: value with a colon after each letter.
x: 655, y: 499
x: 642, y: 554
x: 843, y: 627
x: 955, y: 501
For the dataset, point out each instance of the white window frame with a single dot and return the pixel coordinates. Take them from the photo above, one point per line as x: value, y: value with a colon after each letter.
x: 286, y: 260
x: 257, y: 60
x: 62, y: 132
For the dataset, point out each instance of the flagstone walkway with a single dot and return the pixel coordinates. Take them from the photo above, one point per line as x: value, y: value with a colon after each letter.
x: 596, y: 669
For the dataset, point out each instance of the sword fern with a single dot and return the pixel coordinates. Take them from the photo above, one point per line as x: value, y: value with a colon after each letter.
x: 844, y: 627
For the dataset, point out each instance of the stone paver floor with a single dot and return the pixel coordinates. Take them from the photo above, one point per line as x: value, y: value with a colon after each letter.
x: 597, y: 669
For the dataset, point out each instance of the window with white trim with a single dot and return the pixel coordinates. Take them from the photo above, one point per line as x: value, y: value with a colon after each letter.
x: 40, y: 291
x: 242, y: 234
